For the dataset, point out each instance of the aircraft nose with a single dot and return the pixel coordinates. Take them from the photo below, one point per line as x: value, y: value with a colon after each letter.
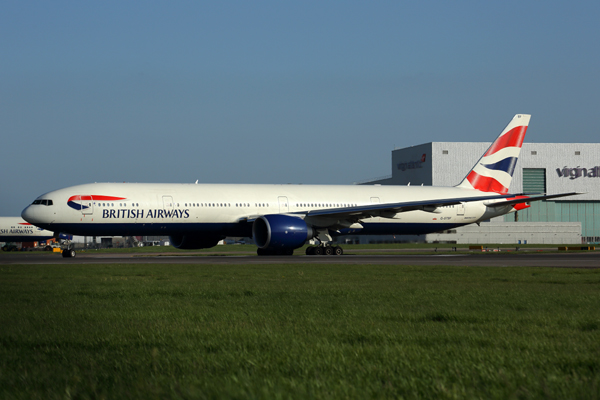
x: 27, y: 214
x: 32, y: 215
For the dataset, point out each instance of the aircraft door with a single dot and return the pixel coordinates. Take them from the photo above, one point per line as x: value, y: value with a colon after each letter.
x: 168, y: 206
x: 460, y: 209
x: 283, y: 204
x: 87, y: 205
x: 168, y: 202
x: 375, y: 200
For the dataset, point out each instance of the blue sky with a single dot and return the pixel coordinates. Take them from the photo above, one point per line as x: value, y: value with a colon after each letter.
x: 278, y: 91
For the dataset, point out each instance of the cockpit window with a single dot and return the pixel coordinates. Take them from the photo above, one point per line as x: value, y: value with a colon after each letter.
x: 43, y: 202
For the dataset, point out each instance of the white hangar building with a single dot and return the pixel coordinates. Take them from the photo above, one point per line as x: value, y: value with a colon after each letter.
x: 542, y: 168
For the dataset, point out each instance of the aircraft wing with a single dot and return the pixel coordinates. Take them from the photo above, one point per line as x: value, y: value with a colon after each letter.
x: 391, y: 209
x: 385, y: 209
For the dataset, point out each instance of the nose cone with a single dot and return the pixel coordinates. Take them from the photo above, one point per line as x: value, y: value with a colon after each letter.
x: 27, y: 214
x: 34, y: 214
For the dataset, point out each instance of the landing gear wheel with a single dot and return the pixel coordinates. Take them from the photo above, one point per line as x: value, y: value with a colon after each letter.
x: 310, y: 251
x: 338, y: 251
x: 68, y: 253
x: 318, y: 251
x: 328, y: 251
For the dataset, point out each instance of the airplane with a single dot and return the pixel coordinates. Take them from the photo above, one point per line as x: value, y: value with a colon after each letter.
x: 282, y: 218
x: 15, y: 229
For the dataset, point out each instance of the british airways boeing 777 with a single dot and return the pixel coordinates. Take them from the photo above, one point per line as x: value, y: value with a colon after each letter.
x: 281, y: 218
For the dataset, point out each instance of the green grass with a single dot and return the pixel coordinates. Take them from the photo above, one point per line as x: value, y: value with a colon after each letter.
x: 298, y: 331
x: 363, y: 249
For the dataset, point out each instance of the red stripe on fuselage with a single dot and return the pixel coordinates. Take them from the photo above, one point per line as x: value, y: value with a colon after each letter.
x: 95, y: 197
x: 485, y: 183
x: 512, y: 138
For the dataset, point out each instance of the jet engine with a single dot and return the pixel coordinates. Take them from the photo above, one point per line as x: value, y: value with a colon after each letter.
x: 278, y: 232
x: 194, y: 242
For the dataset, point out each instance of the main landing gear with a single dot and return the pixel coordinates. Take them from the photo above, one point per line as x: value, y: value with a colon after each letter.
x: 324, y: 250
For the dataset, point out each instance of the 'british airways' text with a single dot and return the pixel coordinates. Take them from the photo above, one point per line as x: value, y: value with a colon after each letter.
x: 155, y: 214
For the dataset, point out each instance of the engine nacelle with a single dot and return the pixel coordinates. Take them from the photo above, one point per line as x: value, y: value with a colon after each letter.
x: 278, y: 231
x: 194, y: 242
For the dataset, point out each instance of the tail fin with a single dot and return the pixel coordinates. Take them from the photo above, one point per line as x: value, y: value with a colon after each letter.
x: 493, y: 172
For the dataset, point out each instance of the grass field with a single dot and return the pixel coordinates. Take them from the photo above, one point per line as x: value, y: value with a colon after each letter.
x: 384, y: 248
x: 298, y: 331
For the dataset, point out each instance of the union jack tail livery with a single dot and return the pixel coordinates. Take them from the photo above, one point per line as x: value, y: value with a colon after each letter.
x: 493, y: 172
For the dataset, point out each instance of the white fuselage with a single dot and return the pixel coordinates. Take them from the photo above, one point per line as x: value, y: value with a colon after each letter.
x: 225, y: 209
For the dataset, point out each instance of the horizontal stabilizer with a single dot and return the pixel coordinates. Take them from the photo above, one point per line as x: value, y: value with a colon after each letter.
x: 528, y: 199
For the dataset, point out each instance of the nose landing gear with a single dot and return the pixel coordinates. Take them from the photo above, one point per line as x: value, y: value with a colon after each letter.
x: 69, y: 253
x: 68, y: 249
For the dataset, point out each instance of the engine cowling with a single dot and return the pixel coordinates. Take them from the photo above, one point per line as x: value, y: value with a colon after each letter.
x: 278, y: 231
x: 194, y: 242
